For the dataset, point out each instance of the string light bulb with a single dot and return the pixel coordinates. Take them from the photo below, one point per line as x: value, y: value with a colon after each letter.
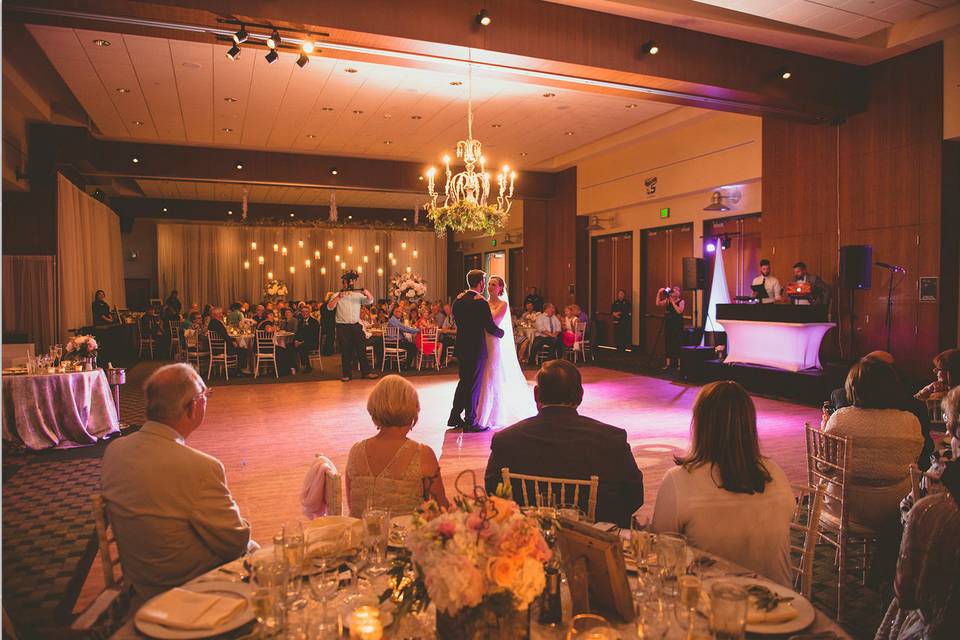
x: 276, y: 247
x: 246, y: 264
x: 269, y: 275
x: 379, y: 271
x: 293, y: 269
x: 260, y: 260
x: 253, y: 246
x: 316, y: 254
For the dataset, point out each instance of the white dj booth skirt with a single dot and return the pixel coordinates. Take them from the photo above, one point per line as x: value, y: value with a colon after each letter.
x: 791, y: 346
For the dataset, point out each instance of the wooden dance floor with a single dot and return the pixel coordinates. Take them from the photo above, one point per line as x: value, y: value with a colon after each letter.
x: 267, y: 435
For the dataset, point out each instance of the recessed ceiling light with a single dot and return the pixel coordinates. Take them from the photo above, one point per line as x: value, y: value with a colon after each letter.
x: 230, y: 212
x: 388, y: 142
x: 100, y: 42
x: 350, y: 70
x: 549, y: 95
x: 455, y: 83
x: 387, y: 116
x: 404, y: 219
x: 483, y: 18
x: 123, y: 90
x: 349, y: 217
x: 139, y: 123
x: 357, y: 112
x: 568, y: 133
x: 227, y: 130
x: 230, y: 99
x: 523, y: 154
x: 164, y: 209
x: 135, y: 160
x: 190, y: 65
x: 651, y: 48
x: 238, y: 166
x: 311, y: 135
x: 326, y: 108
x: 416, y: 117
x: 334, y: 171
x: 292, y: 214
x: 420, y: 178
x: 632, y: 105
x: 496, y: 126
x: 785, y: 74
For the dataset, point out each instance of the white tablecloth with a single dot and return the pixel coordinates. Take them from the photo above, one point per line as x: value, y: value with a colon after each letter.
x: 58, y: 410
x: 791, y: 346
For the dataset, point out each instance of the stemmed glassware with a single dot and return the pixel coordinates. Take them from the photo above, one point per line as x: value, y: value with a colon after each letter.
x: 376, y: 525
x: 291, y: 552
x: 268, y: 581
x: 324, y: 582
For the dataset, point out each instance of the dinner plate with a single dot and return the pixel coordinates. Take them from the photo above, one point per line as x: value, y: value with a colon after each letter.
x: 805, y: 611
x: 242, y: 617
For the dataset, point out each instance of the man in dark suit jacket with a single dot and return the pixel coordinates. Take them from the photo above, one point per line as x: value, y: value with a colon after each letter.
x: 307, y: 338
x: 474, y: 321
x: 560, y: 443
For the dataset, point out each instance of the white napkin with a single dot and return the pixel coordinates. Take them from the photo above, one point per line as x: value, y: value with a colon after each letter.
x: 783, y: 612
x: 332, y: 535
x: 183, y: 609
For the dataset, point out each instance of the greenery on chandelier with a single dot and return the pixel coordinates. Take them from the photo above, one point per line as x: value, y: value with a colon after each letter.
x: 465, y: 215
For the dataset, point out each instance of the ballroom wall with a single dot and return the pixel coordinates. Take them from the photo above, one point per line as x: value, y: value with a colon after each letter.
x: 876, y: 179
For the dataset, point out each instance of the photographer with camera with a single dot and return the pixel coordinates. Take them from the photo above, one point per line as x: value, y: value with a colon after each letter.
x: 671, y: 298
x: 350, y: 336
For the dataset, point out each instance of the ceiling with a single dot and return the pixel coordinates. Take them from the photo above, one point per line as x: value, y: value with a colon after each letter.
x: 179, y: 91
x: 847, y: 18
x: 227, y: 192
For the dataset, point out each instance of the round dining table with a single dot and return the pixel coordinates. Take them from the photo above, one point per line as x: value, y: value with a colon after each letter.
x: 58, y: 410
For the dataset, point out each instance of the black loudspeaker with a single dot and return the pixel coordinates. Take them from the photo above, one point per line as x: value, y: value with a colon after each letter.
x: 694, y: 274
x: 856, y: 266
x: 126, y: 224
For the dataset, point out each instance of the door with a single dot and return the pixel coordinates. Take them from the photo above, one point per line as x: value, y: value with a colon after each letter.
x: 663, y: 251
x: 515, y: 282
x: 612, y: 270
x: 495, y: 264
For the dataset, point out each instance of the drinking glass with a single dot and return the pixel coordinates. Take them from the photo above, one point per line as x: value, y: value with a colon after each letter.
x: 728, y: 611
x: 588, y: 626
x: 293, y: 552
x: 269, y: 580
x: 688, y: 596
x: 324, y: 582
x: 376, y: 525
x: 641, y: 541
x: 653, y: 619
x: 672, y: 558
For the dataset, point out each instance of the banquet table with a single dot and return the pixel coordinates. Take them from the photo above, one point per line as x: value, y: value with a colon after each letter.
x: 61, y: 410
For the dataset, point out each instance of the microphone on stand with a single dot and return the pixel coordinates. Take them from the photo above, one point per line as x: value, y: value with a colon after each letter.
x: 892, y: 267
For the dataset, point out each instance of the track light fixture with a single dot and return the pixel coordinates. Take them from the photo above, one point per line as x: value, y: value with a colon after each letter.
x: 303, y: 60
x: 233, y: 52
x: 274, y: 40
x: 272, y: 56
x: 651, y: 48
x: 241, y: 35
x: 483, y: 18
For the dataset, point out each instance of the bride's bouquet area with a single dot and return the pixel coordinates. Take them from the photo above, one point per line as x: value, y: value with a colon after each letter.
x: 408, y: 287
x: 481, y: 562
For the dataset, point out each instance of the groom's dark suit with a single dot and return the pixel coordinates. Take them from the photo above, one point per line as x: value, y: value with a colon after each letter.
x: 473, y: 317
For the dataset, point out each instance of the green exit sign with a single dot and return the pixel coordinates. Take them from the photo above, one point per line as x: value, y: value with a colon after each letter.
x: 665, y: 212
x: 493, y: 242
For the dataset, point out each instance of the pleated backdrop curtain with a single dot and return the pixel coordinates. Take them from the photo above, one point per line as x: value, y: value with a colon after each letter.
x: 89, y: 256
x: 28, y: 299
x: 205, y: 262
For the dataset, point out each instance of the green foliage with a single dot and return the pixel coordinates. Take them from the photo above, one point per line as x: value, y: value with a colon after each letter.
x: 464, y: 215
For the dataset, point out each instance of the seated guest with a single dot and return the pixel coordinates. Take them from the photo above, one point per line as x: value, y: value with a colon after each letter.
x: 101, y: 310
x: 235, y: 315
x: 260, y: 313
x: 307, y: 337
x: 267, y: 323
x: 927, y: 582
x: 191, y: 322
x: 390, y: 470
x: 169, y: 504
x: 436, y: 311
x: 838, y: 399
x: 205, y: 314
x: 396, y: 320
x: 569, y: 322
x: 290, y: 322
x: 724, y: 495
x: 530, y: 314
x: 558, y: 442
x: 426, y: 322
x: 547, y: 334
x: 150, y: 323
x: 579, y: 313
x: 885, y: 440
x: 947, y: 367
x: 949, y: 450
x: 216, y: 326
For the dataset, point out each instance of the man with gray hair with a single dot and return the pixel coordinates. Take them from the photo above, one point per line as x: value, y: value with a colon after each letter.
x: 171, y: 510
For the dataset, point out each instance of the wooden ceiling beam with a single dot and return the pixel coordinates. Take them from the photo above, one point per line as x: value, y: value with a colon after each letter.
x: 528, y: 38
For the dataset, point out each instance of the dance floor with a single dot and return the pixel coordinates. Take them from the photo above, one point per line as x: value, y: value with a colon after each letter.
x: 267, y: 435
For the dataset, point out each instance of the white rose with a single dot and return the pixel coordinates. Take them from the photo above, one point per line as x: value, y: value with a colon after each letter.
x: 411, y: 294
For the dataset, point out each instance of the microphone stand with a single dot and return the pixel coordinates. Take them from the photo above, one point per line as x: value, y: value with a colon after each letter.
x: 889, y: 318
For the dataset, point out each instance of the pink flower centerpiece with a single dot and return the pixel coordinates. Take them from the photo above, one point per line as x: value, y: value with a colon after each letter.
x: 482, y: 564
x: 82, y: 347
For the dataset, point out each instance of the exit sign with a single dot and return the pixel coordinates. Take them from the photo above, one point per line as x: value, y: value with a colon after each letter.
x: 493, y: 242
x: 665, y: 212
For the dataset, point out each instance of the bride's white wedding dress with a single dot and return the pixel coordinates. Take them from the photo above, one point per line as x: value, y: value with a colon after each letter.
x: 505, y: 396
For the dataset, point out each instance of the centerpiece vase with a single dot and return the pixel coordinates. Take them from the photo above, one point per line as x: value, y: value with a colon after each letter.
x: 483, y: 623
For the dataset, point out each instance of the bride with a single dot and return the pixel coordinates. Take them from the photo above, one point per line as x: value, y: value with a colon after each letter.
x: 505, y: 397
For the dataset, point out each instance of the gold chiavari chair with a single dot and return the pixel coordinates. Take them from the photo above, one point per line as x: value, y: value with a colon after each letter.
x: 556, y: 490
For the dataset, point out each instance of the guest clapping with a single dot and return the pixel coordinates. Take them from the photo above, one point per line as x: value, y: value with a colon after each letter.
x: 724, y: 495
x: 390, y: 470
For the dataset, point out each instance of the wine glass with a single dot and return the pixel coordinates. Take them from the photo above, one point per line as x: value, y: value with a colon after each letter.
x: 324, y: 581
x: 376, y: 524
x: 293, y: 553
x: 672, y: 558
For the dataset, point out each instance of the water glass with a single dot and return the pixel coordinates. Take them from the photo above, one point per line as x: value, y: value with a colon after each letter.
x: 293, y: 550
x: 269, y: 581
x: 588, y: 626
x: 653, y: 619
x: 376, y: 525
x: 728, y: 611
x: 688, y: 597
x: 672, y: 557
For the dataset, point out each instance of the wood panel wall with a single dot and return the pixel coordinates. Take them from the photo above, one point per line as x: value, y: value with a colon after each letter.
x: 875, y: 179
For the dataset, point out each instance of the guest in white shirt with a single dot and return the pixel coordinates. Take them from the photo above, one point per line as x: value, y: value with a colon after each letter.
x: 770, y: 284
x: 723, y: 495
x: 548, y: 333
x: 169, y: 505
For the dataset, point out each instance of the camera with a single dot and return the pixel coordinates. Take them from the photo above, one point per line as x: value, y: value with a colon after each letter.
x: 667, y: 291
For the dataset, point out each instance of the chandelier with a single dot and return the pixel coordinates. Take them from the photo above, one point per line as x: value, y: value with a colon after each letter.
x: 466, y: 204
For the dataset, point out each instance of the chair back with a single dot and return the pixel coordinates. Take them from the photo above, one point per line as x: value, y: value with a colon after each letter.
x: 107, y: 544
x: 265, y: 343
x: 391, y: 334
x: 805, y: 522
x: 558, y: 491
x: 828, y: 463
x: 218, y: 346
x: 428, y: 336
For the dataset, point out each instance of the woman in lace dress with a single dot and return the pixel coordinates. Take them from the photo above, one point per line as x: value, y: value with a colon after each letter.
x: 389, y: 470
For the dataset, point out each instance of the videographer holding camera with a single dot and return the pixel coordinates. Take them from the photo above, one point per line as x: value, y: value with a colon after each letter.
x: 671, y: 298
x: 350, y: 337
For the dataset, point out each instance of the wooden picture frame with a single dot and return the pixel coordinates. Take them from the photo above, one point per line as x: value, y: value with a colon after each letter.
x: 599, y: 554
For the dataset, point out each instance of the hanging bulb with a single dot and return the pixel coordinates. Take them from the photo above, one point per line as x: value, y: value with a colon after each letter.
x: 260, y: 260
x: 366, y: 259
x: 253, y: 246
x: 283, y: 251
x: 246, y: 264
x: 343, y: 265
x: 276, y: 247
x: 269, y: 275
x: 336, y: 258
x: 316, y: 254
x: 359, y: 269
x: 403, y: 245
x: 300, y: 243
x: 293, y: 269
x: 306, y: 263
x: 414, y: 253
x: 379, y: 271
x: 349, y: 248
x: 323, y: 271
x: 376, y: 248
x: 329, y: 244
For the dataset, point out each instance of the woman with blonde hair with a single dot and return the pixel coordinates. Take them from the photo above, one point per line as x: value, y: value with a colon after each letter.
x: 724, y: 495
x: 389, y: 470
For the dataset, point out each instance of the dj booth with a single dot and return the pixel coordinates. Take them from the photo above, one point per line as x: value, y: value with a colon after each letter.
x: 783, y: 336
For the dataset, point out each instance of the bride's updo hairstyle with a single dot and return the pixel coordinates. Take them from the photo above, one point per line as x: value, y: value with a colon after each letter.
x: 393, y: 402
x: 501, y: 283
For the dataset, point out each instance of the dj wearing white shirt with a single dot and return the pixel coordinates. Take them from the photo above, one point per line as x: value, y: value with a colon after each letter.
x: 770, y: 284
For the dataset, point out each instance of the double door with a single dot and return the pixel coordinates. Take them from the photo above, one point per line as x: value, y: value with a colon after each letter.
x: 663, y: 250
x: 612, y: 271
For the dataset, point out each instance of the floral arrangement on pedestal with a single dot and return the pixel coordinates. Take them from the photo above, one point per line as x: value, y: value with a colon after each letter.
x: 481, y: 562
x: 275, y: 289
x: 79, y: 347
x: 404, y: 286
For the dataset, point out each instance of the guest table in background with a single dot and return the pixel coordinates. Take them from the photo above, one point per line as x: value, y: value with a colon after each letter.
x: 60, y: 410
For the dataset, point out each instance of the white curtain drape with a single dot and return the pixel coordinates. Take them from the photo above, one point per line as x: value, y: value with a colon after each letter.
x: 205, y: 263
x: 89, y: 256
x: 28, y: 298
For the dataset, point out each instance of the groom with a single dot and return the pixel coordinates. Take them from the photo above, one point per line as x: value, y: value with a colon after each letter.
x: 473, y: 317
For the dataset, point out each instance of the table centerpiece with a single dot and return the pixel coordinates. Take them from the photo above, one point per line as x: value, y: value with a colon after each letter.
x: 409, y: 287
x: 83, y: 350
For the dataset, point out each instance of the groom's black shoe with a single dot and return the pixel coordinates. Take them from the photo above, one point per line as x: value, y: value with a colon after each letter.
x: 455, y: 426
x: 475, y: 428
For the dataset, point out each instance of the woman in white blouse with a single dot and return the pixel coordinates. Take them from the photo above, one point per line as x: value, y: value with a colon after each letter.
x: 723, y: 495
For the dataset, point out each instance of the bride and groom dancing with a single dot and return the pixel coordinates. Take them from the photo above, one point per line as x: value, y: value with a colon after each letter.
x: 492, y: 391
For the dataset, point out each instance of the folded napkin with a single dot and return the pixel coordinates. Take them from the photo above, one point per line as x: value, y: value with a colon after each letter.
x: 784, y: 612
x: 313, y: 493
x: 332, y: 535
x: 183, y: 609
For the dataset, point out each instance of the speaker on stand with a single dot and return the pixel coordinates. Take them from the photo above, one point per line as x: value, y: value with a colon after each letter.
x: 694, y: 279
x: 856, y: 271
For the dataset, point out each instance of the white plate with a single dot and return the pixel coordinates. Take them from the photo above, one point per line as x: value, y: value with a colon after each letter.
x: 244, y: 616
x: 805, y: 611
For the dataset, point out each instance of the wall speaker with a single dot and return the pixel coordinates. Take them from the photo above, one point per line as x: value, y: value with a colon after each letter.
x: 856, y: 266
x: 694, y: 274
